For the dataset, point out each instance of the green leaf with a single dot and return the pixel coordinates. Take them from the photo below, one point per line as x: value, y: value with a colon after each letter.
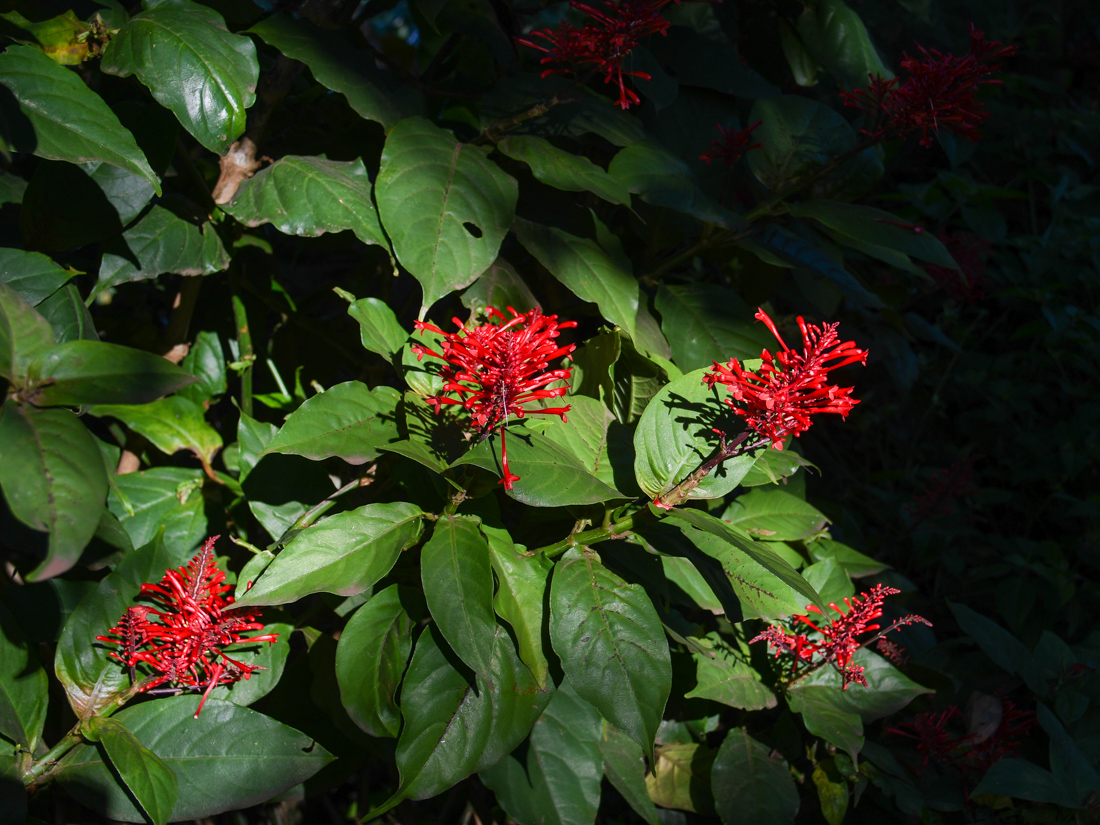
x: 772, y: 466
x: 342, y: 554
x: 561, y: 783
x: 171, y: 424
x: 24, y: 335
x: 759, y: 580
x: 675, y: 436
x: 66, y: 313
x: 12, y: 188
x: 587, y: 269
x: 624, y: 767
x: 875, y: 227
x: 309, y: 196
x: 774, y: 515
x: 168, y: 497
x: 829, y: 579
x: 64, y: 38
x: 90, y: 677
x: 701, y: 60
x: 825, y: 717
x: 1020, y: 779
x: 521, y: 598
x: 564, y: 170
x: 370, y: 661
x: 499, y: 286
x: 172, y: 237
x: 585, y: 435
x: 369, y: 91
x: 1002, y: 647
x: 144, y: 774
x: 206, y: 361
x: 31, y: 274
x: 659, y: 177
x: 230, y: 757
x: 855, y: 564
x: 681, y: 777
x: 888, y: 689
x: 549, y: 475
x: 379, y: 328
x: 767, y: 559
x: 60, y: 118
x: 53, y: 479
x: 611, y: 644
x: 444, y: 205
x: 92, y: 372
x: 798, y: 134
x: 833, y: 795
x: 452, y: 730
x: 458, y: 586
x: 750, y: 785
x: 728, y: 678
x: 705, y: 323
x: 192, y: 64
x: 23, y: 685
x: 270, y: 660
x: 835, y: 37
x: 349, y: 421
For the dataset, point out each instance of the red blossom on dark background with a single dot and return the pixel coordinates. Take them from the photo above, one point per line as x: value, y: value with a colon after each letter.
x: 838, y: 640
x: 497, y: 368
x: 790, y: 387
x: 939, y: 93
x: 181, y: 639
x: 603, y: 44
x: 734, y: 144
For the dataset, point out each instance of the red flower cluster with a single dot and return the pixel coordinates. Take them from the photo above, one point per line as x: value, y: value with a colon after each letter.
x: 181, y: 639
x: 940, y: 92
x: 790, y: 387
x: 970, y: 253
x: 734, y: 144
x: 970, y: 753
x: 604, y: 43
x: 496, y: 368
x: 839, y: 639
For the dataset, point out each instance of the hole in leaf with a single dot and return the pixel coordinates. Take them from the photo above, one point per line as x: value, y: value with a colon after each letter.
x: 473, y: 229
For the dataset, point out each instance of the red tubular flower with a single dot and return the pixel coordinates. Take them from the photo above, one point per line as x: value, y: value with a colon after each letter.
x: 497, y: 368
x: 192, y: 621
x: 940, y: 92
x: 602, y: 44
x: 790, y: 387
x: 734, y: 144
x: 839, y: 638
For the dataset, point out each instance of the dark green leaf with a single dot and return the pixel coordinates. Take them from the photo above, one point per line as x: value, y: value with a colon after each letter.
x: 378, y: 326
x: 829, y: 579
x: 825, y: 717
x: 1025, y: 780
x: 65, y: 208
x: 53, y: 479
x: 90, y: 677
x: 343, y: 554
x: 681, y: 777
x: 611, y: 644
x: 192, y: 64
x: 34, y: 276
x: 269, y: 658
x: 206, y: 361
x: 767, y: 559
x: 60, y: 118
x: 444, y: 205
x: 66, y: 313
x: 23, y: 685
x: 772, y: 466
x: 170, y: 238
x: 171, y: 424
x: 12, y: 188
x: 659, y: 177
x: 591, y: 272
x: 370, y: 661
x: 728, y: 678
x: 833, y: 795
x: 348, y: 421
x: 169, y: 497
x: 549, y: 475
x: 521, y: 598
x: 705, y: 323
x: 563, y: 170
x: 888, y: 689
x: 1002, y: 647
x: 92, y: 372
x: 561, y: 783
x: 458, y: 586
x: 624, y: 766
x: 369, y: 91
x: 675, y: 436
x: 230, y: 757
x: 452, y: 730
x: 774, y: 515
x: 499, y: 286
x: 698, y: 60
x: 750, y: 785
x: 144, y: 774
x: 310, y: 196
x: 835, y: 37
x: 585, y: 435
x: 798, y: 134
x: 855, y: 564
x: 24, y: 335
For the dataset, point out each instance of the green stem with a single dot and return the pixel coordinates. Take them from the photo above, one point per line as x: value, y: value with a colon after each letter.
x: 245, y: 352
x: 40, y: 768
x: 613, y: 531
